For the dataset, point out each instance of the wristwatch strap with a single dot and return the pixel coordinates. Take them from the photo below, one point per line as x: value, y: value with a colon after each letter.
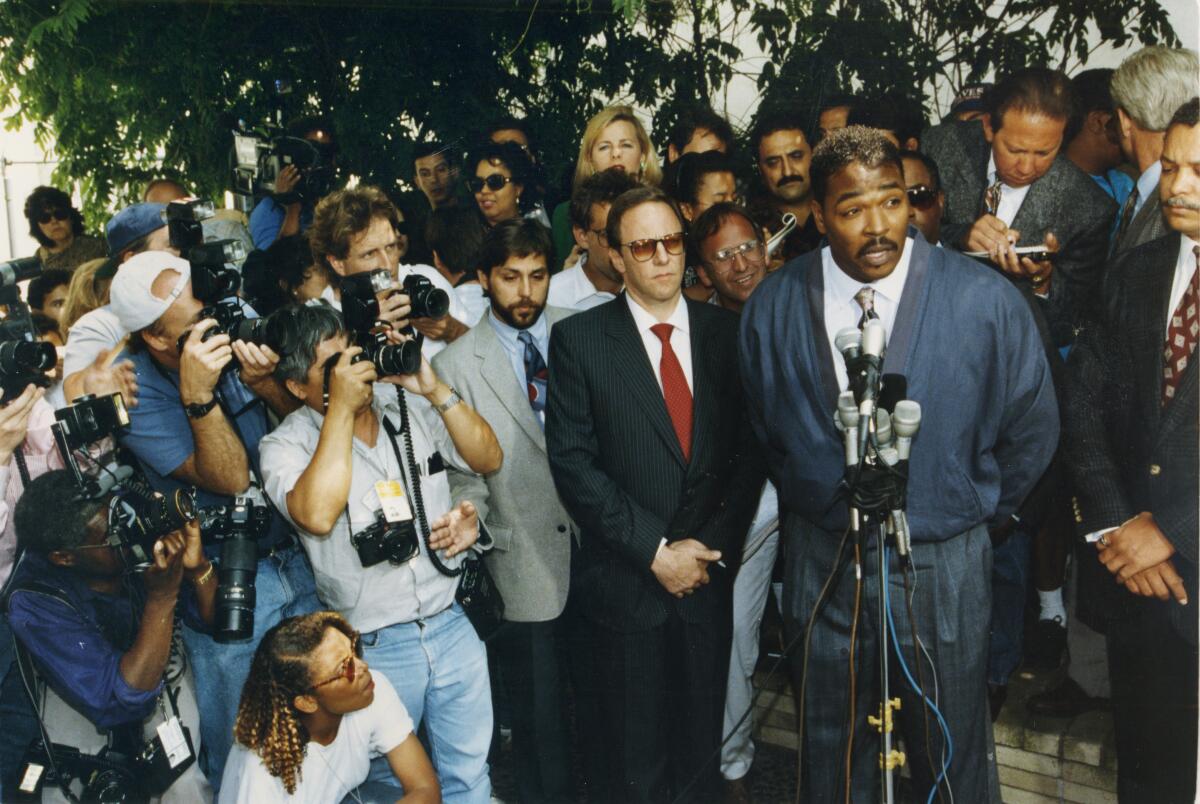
x: 200, y: 411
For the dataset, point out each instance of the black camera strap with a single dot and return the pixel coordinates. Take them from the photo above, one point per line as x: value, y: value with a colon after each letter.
x: 409, y: 460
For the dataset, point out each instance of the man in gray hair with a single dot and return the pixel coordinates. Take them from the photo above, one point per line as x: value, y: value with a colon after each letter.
x: 1147, y: 89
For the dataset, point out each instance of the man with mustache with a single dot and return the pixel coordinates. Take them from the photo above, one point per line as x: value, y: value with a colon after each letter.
x: 1130, y: 436
x: 782, y: 146
x: 499, y: 368
x: 967, y: 344
x: 1008, y: 185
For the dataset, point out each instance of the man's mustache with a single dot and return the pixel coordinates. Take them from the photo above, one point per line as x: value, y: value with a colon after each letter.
x: 876, y: 244
x: 1182, y: 203
x: 791, y: 180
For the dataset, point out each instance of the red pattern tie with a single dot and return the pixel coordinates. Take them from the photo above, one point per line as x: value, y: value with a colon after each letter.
x: 1181, y: 334
x: 675, y: 390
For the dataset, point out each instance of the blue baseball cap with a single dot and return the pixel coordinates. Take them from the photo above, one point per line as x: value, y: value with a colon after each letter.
x: 131, y: 223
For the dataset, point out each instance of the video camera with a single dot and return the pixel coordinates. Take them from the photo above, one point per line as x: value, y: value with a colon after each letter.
x: 360, y: 309
x: 237, y: 527
x: 24, y: 360
x: 260, y: 155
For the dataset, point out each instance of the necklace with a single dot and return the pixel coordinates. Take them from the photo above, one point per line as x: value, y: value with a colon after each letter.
x: 352, y: 791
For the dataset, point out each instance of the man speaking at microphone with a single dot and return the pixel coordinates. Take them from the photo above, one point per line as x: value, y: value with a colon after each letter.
x: 967, y: 345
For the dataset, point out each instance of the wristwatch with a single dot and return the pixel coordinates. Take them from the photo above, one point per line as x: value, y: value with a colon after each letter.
x: 450, y: 401
x: 201, y: 410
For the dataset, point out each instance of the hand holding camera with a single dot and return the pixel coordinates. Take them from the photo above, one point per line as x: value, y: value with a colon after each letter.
x: 257, y: 361
x: 201, y: 363
x: 456, y: 530
x: 350, y: 383
x: 163, y: 576
x: 14, y: 421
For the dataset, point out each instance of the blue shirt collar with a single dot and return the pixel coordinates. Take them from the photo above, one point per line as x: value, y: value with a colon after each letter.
x: 1147, y: 183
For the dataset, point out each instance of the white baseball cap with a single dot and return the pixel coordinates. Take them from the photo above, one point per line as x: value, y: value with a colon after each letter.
x: 130, y: 297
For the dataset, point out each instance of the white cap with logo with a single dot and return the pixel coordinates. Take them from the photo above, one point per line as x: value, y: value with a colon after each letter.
x: 130, y: 296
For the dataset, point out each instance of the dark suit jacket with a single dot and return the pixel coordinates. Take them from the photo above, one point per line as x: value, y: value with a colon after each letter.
x: 620, y: 471
x: 1148, y: 224
x: 1066, y: 201
x: 1126, y: 452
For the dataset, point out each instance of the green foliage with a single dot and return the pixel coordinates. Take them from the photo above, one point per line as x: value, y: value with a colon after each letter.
x: 131, y: 90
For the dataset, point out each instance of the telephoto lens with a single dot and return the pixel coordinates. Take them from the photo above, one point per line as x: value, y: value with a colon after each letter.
x: 20, y: 357
x: 166, y: 514
x: 235, y: 589
x: 391, y: 359
x: 250, y: 330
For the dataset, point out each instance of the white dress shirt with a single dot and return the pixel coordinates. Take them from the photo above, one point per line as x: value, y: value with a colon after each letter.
x: 681, y: 338
x: 1011, y: 198
x: 571, y: 289
x: 842, y: 311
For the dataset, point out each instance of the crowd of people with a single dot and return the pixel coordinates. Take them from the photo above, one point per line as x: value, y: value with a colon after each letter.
x: 535, y: 462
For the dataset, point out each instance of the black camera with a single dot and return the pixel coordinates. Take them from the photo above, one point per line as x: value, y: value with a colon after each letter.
x: 213, y: 278
x: 24, y: 360
x: 86, y: 422
x: 110, y: 776
x: 139, y: 517
x: 237, y: 527
x: 360, y: 309
x: 427, y: 301
x: 386, y: 541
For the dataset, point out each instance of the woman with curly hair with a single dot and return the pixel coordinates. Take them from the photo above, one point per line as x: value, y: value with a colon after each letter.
x: 313, y: 716
x: 58, y: 228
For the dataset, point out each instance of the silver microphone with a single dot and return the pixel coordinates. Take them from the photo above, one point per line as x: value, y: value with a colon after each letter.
x: 906, y: 420
x: 883, y: 429
x: 849, y: 342
x: 848, y: 415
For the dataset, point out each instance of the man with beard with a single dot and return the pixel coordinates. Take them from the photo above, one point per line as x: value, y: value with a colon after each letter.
x: 782, y: 146
x: 968, y: 347
x: 499, y: 368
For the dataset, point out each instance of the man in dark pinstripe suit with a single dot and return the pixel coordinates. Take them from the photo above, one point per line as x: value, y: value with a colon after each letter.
x: 651, y: 452
x: 1130, y: 432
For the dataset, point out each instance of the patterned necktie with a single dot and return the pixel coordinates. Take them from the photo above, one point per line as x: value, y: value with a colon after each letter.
x: 1181, y: 334
x: 1127, y: 213
x: 866, y: 300
x: 991, y: 199
x: 675, y: 390
x: 535, y: 374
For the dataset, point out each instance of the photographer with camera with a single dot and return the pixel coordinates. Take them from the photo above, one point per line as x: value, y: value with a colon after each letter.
x: 363, y: 477
x: 100, y: 636
x: 198, y: 423
x: 289, y: 210
x: 359, y: 231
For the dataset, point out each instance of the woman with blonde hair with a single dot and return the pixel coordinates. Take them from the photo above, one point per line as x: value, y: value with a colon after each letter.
x: 313, y: 716
x: 86, y: 292
x: 614, y: 139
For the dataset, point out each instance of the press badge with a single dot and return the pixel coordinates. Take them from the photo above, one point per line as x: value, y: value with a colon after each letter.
x: 174, y: 743
x: 393, y: 500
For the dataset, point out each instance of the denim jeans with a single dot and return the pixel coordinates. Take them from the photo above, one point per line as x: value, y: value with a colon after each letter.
x: 284, y: 587
x: 439, y: 668
x: 19, y: 721
x: 1010, y: 582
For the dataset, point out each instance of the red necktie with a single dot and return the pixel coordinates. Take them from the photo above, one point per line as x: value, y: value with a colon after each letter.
x: 1181, y: 334
x: 675, y: 390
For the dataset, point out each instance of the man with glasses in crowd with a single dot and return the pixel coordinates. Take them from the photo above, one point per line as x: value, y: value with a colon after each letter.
x: 651, y: 453
x: 592, y: 280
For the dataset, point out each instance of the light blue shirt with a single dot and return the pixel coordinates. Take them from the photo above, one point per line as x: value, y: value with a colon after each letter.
x: 1146, y: 184
x: 514, y: 348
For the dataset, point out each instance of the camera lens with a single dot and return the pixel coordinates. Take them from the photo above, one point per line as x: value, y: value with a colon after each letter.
x: 235, y: 589
x: 250, y: 330
x: 162, y: 515
x: 397, y: 358
x: 17, y: 357
x: 427, y: 301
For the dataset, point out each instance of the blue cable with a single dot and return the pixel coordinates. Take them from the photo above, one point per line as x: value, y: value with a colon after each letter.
x: 904, y: 666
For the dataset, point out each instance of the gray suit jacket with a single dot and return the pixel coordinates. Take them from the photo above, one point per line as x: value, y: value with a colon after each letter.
x: 1148, y: 224
x: 1066, y: 201
x: 531, y: 559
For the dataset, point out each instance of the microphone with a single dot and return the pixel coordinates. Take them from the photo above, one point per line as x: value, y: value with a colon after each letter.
x: 867, y: 369
x: 849, y: 342
x: 849, y: 418
x: 906, y: 420
x: 883, y: 429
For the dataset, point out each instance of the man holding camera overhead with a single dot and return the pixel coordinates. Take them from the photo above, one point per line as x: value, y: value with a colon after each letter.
x: 360, y: 231
x: 198, y: 423
x: 100, y: 639
x: 361, y: 473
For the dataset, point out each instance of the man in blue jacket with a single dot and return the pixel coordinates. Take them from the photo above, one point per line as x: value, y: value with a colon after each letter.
x: 967, y: 344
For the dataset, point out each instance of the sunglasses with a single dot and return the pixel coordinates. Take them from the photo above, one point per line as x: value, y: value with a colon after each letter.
x: 748, y: 249
x: 494, y: 182
x: 56, y: 214
x: 921, y: 197
x: 349, y: 667
x: 643, y: 250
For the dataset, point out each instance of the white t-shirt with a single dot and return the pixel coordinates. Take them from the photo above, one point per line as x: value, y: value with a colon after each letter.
x: 329, y: 772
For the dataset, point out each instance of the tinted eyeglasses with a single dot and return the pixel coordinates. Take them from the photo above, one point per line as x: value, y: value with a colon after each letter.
x: 55, y: 214
x: 643, y: 250
x: 748, y: 250
x: 921, y: 197
x: 494, y: 182
x: 349, y: 668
